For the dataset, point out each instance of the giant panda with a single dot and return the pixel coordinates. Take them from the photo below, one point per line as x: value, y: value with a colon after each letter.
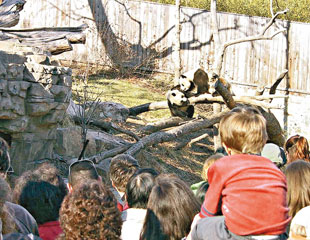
x: 194, y: 82
x: 178, y: 103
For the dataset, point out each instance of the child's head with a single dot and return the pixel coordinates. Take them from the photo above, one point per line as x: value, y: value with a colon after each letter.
x: 243, y: 130
x: 207, y: 164
x: 297, y: 147
x: 122, y: 167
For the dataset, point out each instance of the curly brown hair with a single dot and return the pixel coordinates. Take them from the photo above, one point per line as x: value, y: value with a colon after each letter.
x: 90, y: 212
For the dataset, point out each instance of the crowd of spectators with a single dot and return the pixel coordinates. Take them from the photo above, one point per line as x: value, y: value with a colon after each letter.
x: 253, y: 190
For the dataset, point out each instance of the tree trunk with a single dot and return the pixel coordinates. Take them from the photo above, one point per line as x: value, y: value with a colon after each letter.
x: 177, y: 49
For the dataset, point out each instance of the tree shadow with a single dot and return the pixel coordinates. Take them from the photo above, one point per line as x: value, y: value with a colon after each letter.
x: 136, y: 55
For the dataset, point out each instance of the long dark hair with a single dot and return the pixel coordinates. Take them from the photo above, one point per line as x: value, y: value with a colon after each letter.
x: 170, y: 210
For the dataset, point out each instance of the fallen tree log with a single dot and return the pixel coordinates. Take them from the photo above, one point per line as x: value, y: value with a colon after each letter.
x: 109, y: 154
x: 55, y: 47
x: 274, y: 129
x: 162, y: 124
x: 160, y: 137
x: 55, y: 40
x: 251, y: 100
x: 73, y: 34
x: 9, y: 12
x: 134, y: 111
x: 208, y: 98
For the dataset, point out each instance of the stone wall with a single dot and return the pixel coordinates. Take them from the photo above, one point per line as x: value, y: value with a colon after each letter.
x: 34, y: 95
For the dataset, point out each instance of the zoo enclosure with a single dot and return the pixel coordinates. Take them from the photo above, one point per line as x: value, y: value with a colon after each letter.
x: 136, y: 33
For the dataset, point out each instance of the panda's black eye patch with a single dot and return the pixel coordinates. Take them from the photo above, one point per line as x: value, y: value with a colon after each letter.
x: 173, y: 94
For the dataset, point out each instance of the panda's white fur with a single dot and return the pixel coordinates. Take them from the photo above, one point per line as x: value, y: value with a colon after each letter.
x: 186, y: 79
x: 176, y: 97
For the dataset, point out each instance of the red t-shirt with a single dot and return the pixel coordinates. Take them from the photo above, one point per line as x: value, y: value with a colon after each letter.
x: 251, y: 192
x: 50, y: 230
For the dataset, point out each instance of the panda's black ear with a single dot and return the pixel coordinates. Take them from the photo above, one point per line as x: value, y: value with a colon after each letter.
x: 173, y: 94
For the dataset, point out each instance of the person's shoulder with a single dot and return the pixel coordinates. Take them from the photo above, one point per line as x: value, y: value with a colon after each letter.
x: 20, y: 236
x: 23, y: 219
x: 17, y: 210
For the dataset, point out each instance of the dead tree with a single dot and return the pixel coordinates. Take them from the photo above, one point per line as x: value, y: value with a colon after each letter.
x: 177, y: 52
x: 9, y: 12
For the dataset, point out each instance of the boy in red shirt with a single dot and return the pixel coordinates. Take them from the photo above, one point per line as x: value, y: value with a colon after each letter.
x: 247, y: 189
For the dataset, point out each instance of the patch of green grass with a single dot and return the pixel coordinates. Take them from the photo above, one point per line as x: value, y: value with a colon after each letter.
x: 128, y: 93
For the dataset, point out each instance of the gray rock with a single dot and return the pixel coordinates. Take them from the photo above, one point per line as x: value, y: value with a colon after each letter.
x: 2, y: 70
x: 15, y: 71
x: 116, y: 111
x: 40, y: 108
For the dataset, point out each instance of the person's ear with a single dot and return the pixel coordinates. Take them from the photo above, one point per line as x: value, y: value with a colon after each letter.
x: 3, y: 175
x: 227, y: 149
x: 100, y: 179
x: 69, y: 186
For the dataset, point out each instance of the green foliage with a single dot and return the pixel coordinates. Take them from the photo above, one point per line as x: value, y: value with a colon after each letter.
x: 298, y: 9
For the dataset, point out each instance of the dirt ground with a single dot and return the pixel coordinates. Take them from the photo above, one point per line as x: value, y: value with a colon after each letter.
x: 177, y: 156
x: 169, y: 157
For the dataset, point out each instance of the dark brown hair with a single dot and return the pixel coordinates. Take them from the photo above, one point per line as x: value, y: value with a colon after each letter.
x: 138, y: 189
x: 170, y: 210
x: 122, y: 167
x: 90, y: 212
x: 298, y: 185
x: 297, y: 147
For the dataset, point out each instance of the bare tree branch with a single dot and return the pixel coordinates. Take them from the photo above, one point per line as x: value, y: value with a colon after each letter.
x: 106, y: 126
x: 278, y: 81
x: 197, y: 139
x: 221, y: 50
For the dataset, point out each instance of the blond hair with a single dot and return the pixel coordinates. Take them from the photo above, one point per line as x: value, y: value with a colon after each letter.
x: 207, y: 164
x: 244, y: 130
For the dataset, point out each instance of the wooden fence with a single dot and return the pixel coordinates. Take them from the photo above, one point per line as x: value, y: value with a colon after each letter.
x: 141, y: 34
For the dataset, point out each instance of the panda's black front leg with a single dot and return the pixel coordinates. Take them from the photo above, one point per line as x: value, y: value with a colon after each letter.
x: 178, y: 112
x: 190, y: 111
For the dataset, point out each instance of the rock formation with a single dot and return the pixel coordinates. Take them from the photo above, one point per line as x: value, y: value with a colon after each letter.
x: 34, y: 96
